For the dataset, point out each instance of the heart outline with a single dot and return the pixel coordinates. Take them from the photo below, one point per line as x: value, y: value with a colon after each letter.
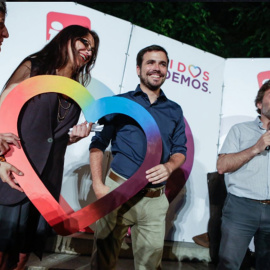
x: 93, y: 110
x: 196, y: 67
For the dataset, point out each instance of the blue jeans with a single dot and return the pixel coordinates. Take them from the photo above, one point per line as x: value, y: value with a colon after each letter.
x: 243, y: 219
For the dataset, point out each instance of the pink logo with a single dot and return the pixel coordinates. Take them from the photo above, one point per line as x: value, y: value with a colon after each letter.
x: 58, y: 21
x: 263, y: 77
x: 195, y: 71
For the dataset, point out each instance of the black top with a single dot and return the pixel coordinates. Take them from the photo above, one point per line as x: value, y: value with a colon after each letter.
x: 44, y: 141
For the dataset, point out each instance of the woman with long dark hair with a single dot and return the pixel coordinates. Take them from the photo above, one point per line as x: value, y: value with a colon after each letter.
x: 44, y: 124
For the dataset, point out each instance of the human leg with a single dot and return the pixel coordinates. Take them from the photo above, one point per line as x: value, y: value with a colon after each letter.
x: 8, y: 260
x: 20, y: 234
x: 23, y: 259
x: 240, y: 220
x: 9, y: 254
x: 108, y: 237
x: 14, y: 261
x: 148, y: 232
x: 262, y: 241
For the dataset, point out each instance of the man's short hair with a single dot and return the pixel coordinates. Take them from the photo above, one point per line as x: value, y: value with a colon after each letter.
x: 260, y: 94
x: 150, y: 49
x: 3, y: 7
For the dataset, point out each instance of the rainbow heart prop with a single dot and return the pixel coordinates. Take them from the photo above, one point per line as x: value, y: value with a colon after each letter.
x: 93, y: 110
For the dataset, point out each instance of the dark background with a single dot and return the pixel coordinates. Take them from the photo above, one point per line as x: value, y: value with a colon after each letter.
x: 226, y: 29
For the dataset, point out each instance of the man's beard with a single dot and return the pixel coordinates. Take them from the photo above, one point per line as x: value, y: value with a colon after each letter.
x: 265, y: 112
x: 149, y: 85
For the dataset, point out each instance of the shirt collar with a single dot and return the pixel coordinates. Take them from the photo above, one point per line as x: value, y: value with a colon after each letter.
x: 138, y: 91
x: 259, y: 122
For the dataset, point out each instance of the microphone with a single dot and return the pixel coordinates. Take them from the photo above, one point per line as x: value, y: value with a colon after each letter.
x: 267, y: 148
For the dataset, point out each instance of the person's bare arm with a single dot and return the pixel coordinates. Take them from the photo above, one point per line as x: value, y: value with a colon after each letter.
x: 162, y: 172
x: 233, y: 161
x: 96, y: 159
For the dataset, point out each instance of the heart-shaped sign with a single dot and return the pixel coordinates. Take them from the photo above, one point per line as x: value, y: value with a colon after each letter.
x: 196, y: 71
x: 93, y: 110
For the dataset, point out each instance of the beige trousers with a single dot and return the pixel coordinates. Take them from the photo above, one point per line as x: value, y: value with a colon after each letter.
x: 146, y: 217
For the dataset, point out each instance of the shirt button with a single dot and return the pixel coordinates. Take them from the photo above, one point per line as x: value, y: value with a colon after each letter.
x: 50, y: 140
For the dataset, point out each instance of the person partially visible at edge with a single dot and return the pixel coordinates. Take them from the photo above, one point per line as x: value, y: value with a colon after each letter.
x: 6, y: 169
x: 145, y: 212
x: 3, y: 29
x: 44, y: 124
x: 244, y: 158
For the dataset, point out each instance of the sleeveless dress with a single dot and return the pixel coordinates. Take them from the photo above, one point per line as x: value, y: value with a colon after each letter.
x: 44, y: 140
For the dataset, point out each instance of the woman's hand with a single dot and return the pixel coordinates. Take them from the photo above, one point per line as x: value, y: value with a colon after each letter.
x: 79, y: 132
x: 6, y: 174
x: 6, y: 139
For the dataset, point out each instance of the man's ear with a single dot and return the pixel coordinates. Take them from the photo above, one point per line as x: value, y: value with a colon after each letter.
x: 138, y: 71
x: 259, y: 105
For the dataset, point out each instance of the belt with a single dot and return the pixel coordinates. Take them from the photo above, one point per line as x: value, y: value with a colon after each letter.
x: 146, y: 192
x: 152, y: 193
x: 116, y: 178
x: 262, y: 201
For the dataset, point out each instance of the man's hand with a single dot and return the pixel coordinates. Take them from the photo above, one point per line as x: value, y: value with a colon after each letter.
x: 162, y: 172
x: 233, y: 161
x: 79, y: 132
x: 263, y: 142
x: 100, y: 190
x: 158, y: 174
x: 6, y: 174
x: 6, y: 139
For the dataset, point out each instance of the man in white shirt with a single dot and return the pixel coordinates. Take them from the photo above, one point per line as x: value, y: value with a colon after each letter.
x: 245, y: 158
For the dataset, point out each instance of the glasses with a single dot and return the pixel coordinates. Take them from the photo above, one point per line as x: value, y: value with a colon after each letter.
x: 86, y: 44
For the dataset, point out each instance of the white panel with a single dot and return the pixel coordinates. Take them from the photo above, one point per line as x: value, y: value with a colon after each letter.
x: 241, y: 87
x: 27, y: 25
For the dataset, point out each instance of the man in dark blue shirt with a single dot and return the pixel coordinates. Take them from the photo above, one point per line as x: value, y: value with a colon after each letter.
x: 145, y: 213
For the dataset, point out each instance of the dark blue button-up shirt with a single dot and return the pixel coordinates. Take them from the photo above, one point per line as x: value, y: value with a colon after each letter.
x: 128, y: 141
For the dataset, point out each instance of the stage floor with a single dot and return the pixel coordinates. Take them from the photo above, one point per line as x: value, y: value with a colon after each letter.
x: 74, y: 251
x: 54, y: 261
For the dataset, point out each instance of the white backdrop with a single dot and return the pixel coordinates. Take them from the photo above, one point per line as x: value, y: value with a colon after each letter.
x: 241, y: 84
x: 195, y: 81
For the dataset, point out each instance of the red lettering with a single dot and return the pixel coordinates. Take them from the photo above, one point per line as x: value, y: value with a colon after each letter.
x: 171, y: 64
x: 181, y: 65
x: 206, y: 74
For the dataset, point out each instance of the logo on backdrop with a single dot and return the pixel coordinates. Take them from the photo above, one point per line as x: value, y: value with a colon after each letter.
x: 188, y: 75
x: 57, y: 21
x: 263, y: 77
